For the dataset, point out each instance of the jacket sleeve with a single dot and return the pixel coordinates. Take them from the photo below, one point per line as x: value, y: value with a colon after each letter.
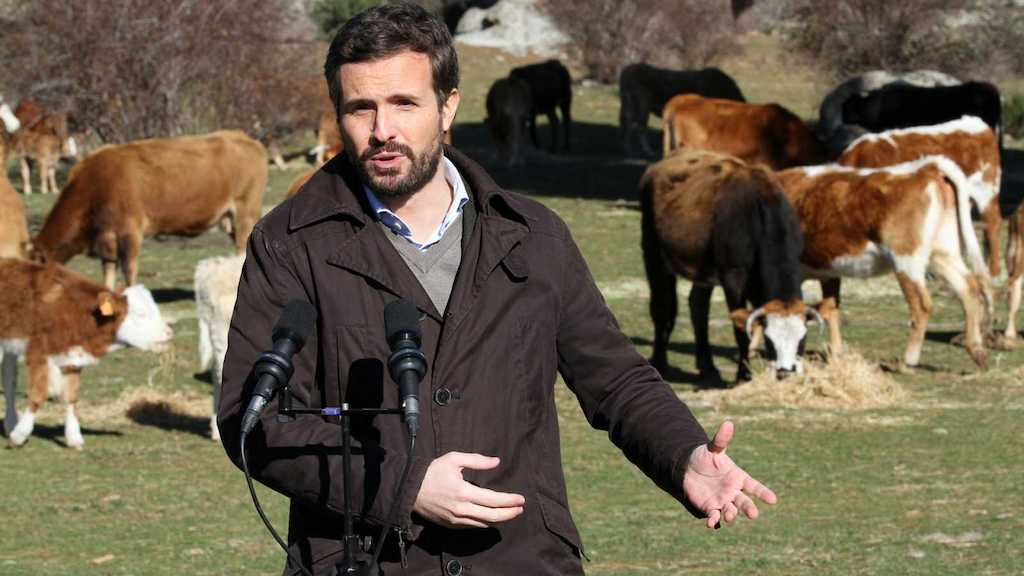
x: 616, y: 387
x: 302, y: 458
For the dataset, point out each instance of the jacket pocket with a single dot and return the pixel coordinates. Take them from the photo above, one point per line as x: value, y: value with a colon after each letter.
x: 558, y: 521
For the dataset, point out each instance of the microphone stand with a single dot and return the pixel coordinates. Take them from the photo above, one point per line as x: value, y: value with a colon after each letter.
x: 349, y: 564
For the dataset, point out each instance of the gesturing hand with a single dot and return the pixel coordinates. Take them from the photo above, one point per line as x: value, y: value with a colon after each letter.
x: 446, y: 499
x: 716, y: 485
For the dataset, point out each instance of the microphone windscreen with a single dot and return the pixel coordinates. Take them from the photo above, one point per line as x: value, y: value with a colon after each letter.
x: 401, y: 317
x: 296, y: 322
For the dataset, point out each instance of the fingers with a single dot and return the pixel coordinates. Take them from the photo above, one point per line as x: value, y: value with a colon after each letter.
x: 752, y: 486
x: 746, y: 505
x: 473, y: 461
x: 722, y: 438
x: 483, y: 516
x: 492, y: 499
x: 729, y: 512
x: 714, y: 517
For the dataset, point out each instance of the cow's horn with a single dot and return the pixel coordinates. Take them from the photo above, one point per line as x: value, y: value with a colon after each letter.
x: 814, y: 316
x: 750, y: 319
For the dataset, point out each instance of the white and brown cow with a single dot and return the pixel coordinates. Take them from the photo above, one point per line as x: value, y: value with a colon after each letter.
x: 120, y: 194
x: 907, y: 219
x: 715, y: 220
x: 765, y: 134
x: 61, y: 321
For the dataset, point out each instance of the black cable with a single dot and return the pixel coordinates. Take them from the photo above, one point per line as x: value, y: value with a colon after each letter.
x: 401, y: 494
x: 259, y: 509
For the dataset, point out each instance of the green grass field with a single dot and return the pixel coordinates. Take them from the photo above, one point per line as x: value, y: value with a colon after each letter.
x: 926, y: 486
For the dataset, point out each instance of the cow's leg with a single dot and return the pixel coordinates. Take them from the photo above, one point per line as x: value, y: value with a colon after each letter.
x: 109, y: 274
x: 10, y: 382
x: 553, y: 121
x: 734, y: 282
x: 531, y: 123
x: 993, y: 220
x: 920, y: 303
x: 567, y: 120
x: 26, y: 176
x: 1014, y: 270
x: 967, y: 289
x: 1011, y: 318
x: 700, y: 309
x: 829, y: 310
x: 664, y: 304
x: 53, y: 177
x: 38, y: 384
x: 218, y: 374
x: 72, y: 429
x: 128, y: 247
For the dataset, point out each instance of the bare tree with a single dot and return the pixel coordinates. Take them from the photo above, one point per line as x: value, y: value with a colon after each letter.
x: 133, y: 69
x: 608, y: 34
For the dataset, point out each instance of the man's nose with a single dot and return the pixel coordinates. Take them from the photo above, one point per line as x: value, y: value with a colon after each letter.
x: 383, y: 126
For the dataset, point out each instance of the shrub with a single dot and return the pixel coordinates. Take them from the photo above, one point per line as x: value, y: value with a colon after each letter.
x: 1013, y: 116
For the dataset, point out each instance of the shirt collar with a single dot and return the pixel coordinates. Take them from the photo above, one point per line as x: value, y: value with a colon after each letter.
x: 459, y: 199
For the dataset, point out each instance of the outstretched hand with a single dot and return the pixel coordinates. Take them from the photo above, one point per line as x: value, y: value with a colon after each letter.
x: 717, y: 486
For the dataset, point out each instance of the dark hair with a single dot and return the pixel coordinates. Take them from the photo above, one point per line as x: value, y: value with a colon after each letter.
x: 386, y: 30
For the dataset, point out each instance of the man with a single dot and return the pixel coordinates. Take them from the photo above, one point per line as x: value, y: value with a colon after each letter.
x: 506, y: 303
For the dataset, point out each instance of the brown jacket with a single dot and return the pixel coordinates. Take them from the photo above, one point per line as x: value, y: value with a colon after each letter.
x: 523, y: 309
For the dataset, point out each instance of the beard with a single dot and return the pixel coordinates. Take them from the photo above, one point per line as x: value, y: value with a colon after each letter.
x: 386, y: 182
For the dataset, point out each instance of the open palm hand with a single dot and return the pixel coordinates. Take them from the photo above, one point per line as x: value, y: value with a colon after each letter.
x: 717, y: 486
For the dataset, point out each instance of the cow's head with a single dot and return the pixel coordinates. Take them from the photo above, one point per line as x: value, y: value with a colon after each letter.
x: 10, y: 121
x: 142, y: 327
x: 785, y: 326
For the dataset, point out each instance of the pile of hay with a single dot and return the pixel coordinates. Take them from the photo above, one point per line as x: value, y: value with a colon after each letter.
x: 152, y: 406
x: 848, y: 381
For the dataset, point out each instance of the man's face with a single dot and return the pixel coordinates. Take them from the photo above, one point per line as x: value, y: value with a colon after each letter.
x: 390, y: 122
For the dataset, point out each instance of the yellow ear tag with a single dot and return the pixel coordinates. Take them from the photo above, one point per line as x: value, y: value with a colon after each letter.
x: 106, y: 308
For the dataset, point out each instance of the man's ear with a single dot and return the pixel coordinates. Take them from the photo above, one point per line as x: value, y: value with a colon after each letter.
x: 449, y: 108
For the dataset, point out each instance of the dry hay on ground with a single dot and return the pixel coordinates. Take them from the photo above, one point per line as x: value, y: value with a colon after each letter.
x: 146, y: 404
x: 846, y: 382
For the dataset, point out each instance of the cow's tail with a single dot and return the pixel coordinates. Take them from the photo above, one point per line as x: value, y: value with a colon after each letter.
x: 968, y: 238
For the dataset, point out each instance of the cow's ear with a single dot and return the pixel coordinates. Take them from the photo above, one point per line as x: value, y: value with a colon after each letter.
x: 739, y: 318
x: 105, y: 303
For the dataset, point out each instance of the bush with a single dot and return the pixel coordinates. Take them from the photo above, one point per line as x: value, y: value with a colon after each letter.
x: 608, y: 34
x: 1013, y: 116
x: 131, y: 69
x: 852, y: 36
x: 329, y: 15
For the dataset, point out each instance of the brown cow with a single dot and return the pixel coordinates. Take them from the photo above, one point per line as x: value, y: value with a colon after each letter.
x: 120, y: 194
x: 716, y: 220
x: 327, y: 137
x: 13, y: 227
x: 908, y: 219
x: 43, y: 138
x: 765, y: 134
x: 61, y: 322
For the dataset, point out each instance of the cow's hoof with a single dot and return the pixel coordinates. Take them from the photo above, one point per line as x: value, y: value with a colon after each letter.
x: 980, y: 357
x: 17, y: 438
x: 214, y: 431
x: 896, y: 367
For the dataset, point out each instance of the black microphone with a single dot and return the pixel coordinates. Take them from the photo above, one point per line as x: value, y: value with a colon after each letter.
x: 274, y: 368
x: 407, y: 364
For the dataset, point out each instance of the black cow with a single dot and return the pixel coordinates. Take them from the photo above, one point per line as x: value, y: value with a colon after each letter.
x: 644, y: 90
x: 715, y: 220
x: 551, y: 87
x: 509, y: 102
x: 902, y: 106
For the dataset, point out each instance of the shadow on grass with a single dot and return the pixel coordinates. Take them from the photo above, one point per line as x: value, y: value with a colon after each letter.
x: 52, y: 433
x: 163, y: 415
x: 677, y: 375
x: 595, y: 168
x: 168, y: 295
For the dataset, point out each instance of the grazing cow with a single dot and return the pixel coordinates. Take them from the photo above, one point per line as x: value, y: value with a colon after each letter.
x: 120, y: 194
x: 509, y: 102
x: 908, y: 219
x: 216, y: 285
x: 644, y: 90
x: 967, y: 141
x: 715, y: 220
x: 43, y: 138
x: 902, y: 106
x: 61, y: 321
x: 551, y: 88
x: 830, y: 113
x: 765, y: 134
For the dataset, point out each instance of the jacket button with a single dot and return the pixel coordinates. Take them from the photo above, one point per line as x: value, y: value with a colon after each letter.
x: 453, y: 568
x: 442, y: 396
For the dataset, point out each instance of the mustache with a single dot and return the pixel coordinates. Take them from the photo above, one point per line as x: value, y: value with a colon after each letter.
x: 390, y: 147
